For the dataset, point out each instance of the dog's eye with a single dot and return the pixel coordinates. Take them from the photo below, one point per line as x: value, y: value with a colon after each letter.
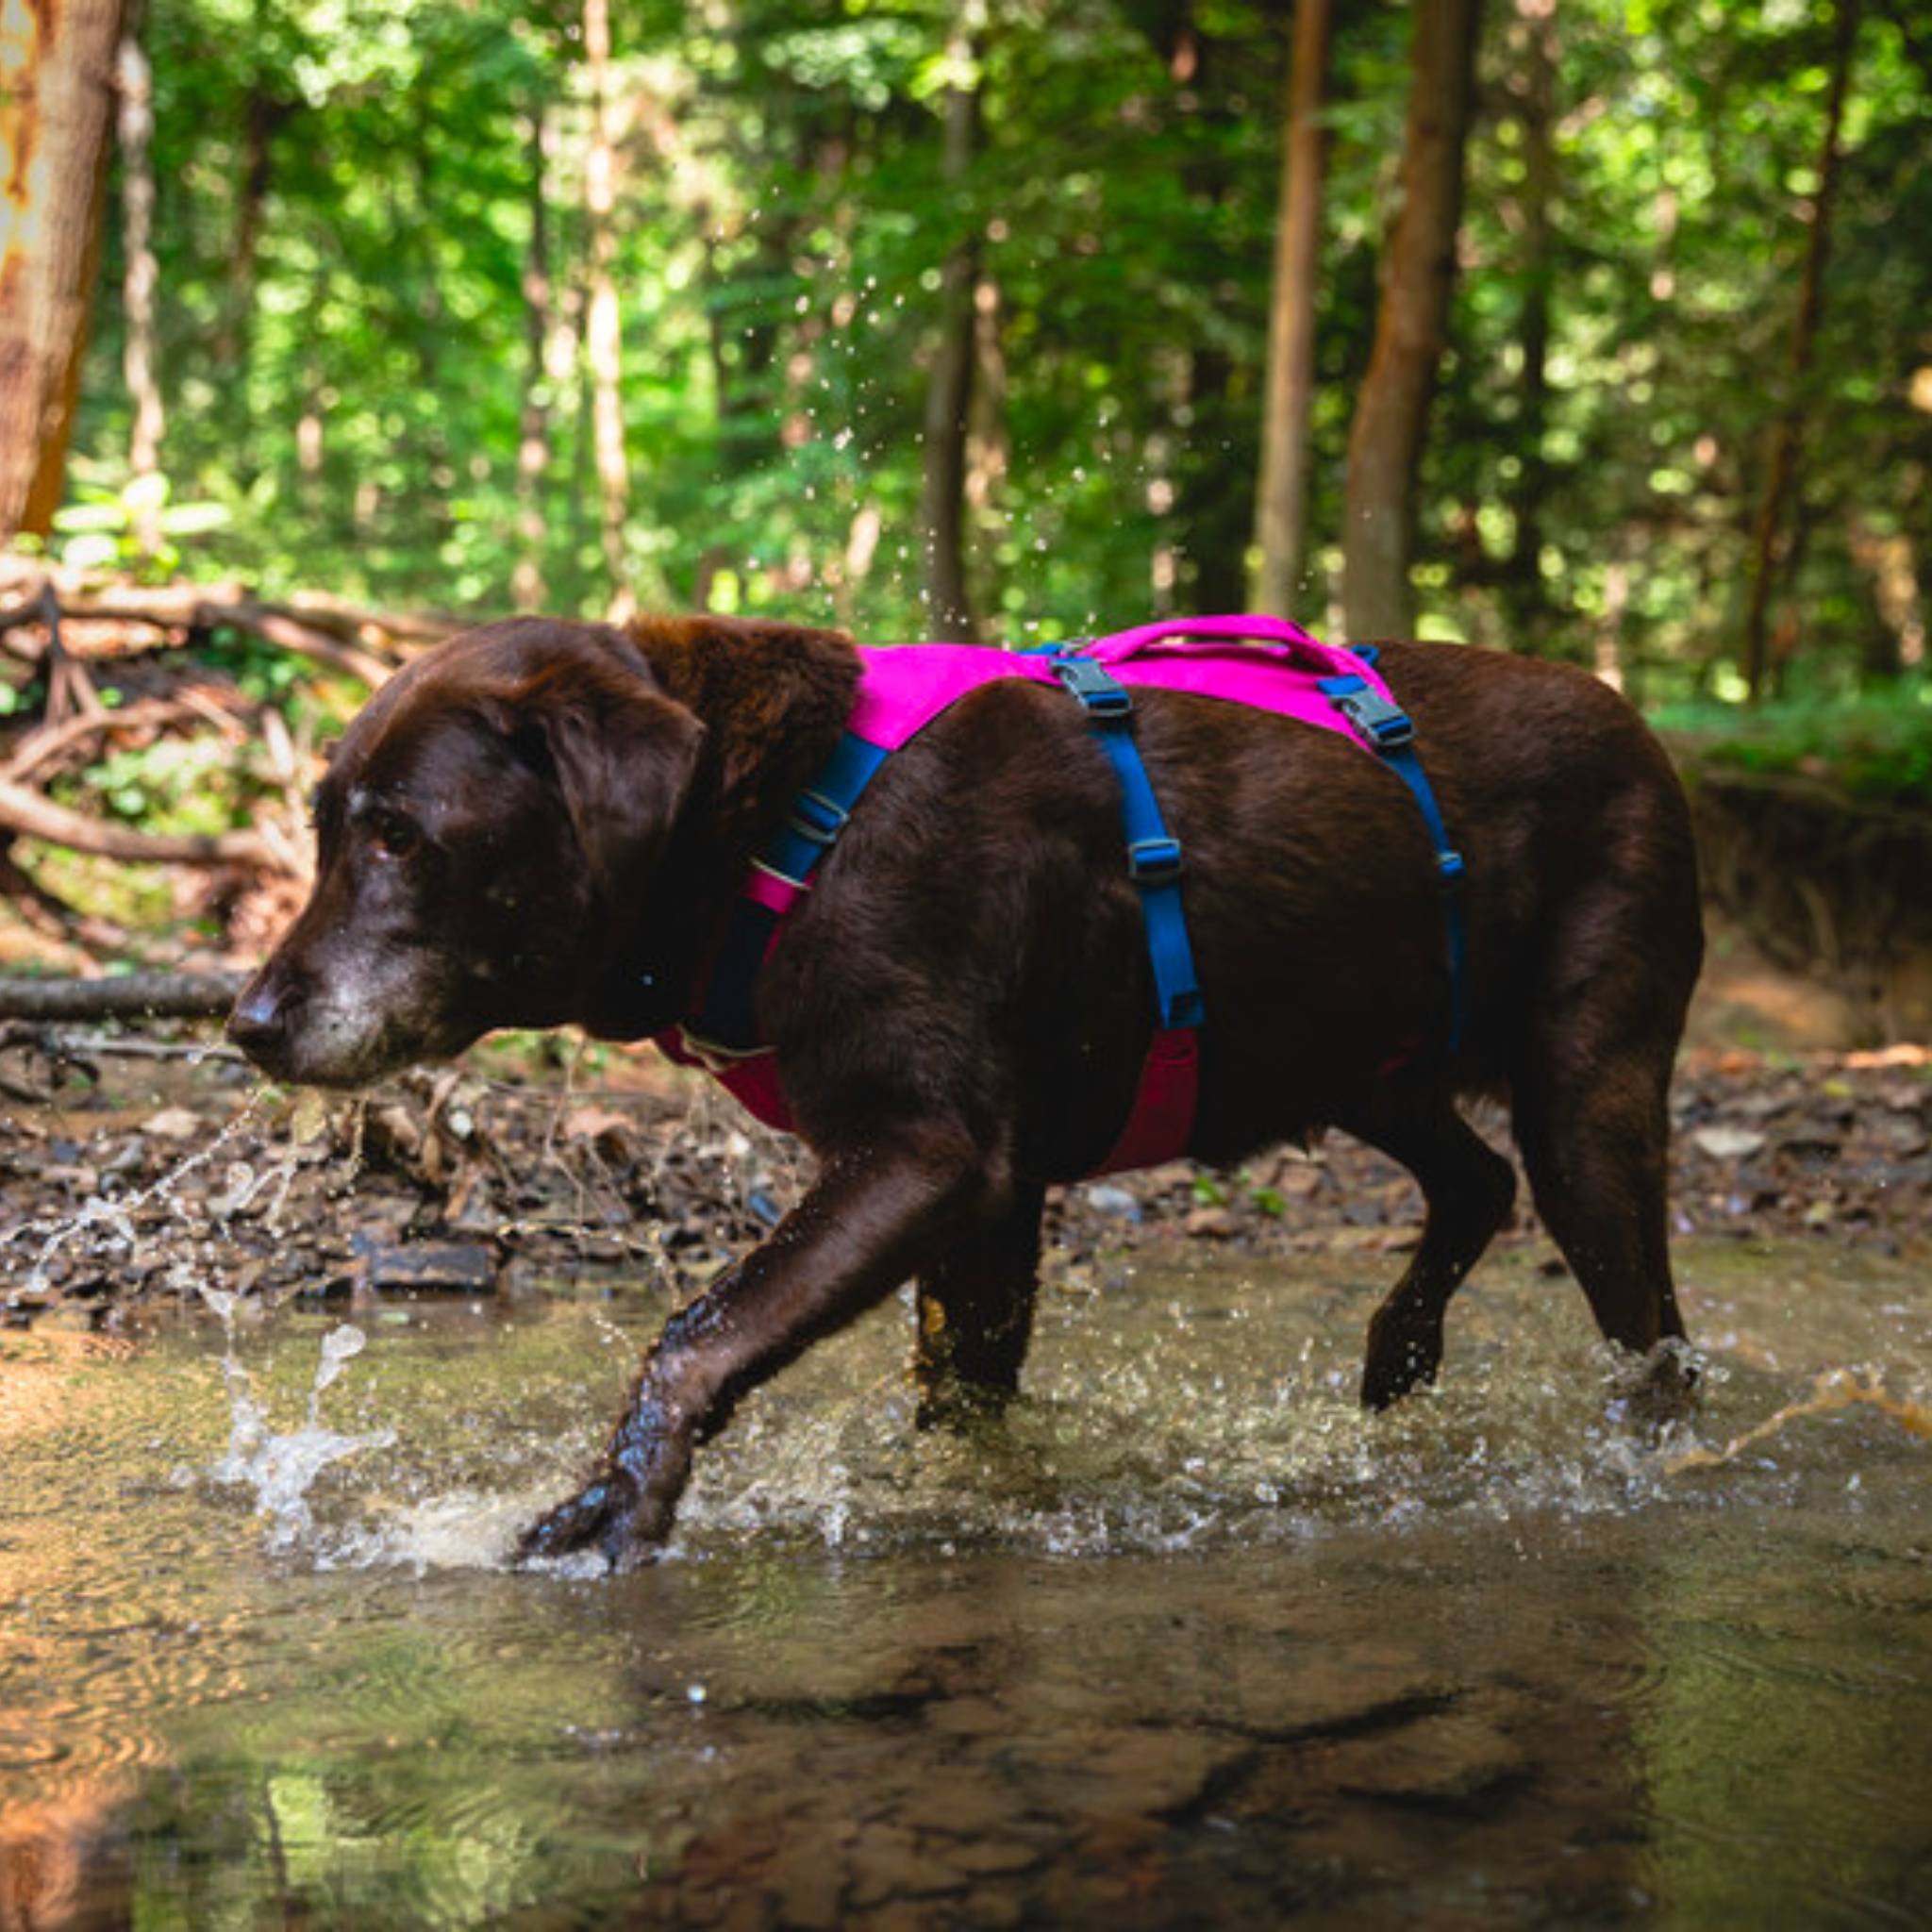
x: 395, y: 836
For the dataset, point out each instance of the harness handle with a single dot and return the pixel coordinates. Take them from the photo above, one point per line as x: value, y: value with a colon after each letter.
x: 1274, y: 636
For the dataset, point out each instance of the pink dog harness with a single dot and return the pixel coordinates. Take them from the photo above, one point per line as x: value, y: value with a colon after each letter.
x: 1261, y: 661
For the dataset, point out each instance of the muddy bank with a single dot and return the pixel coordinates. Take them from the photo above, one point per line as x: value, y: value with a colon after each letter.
x: 1832, y: 887
x: 150, y: 1180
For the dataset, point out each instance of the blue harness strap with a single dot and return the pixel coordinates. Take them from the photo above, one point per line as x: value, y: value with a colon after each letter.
x: 817, y: 820
x: 1391, y: 732
x: 1154, y: 854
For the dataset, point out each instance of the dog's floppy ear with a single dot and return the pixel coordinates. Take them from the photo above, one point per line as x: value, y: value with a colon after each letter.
x: 774, y: 696
x: 620, y: 753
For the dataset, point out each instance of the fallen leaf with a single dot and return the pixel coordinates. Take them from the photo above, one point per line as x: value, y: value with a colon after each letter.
x: 1728, y: 1144
x: 591, y: 1123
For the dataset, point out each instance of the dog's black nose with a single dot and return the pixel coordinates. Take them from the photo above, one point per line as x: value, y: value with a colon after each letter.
x: 260, y: 1022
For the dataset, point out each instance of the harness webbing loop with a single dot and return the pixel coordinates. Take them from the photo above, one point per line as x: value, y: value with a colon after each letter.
x: 1154, y: 854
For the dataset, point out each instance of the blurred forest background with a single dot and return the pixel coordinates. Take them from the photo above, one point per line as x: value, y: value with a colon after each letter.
x: 1595, y: 329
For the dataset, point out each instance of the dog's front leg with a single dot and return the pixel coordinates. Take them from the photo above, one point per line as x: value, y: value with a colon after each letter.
x: 871, y: 1219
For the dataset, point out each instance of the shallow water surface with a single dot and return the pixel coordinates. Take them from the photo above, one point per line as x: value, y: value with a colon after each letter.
x: 1188, y: 1640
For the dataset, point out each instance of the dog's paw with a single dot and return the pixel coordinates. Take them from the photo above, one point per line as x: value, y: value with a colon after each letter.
x: 603, y: 1519
x: 1664, y: 1388
x: 1404, y: 1352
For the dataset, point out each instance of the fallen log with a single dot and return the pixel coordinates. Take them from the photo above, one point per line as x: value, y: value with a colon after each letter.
x: 122, y: 996
x: 50, y: 741
x: 33, y: 817
x: 100, y: 630
x: 309, y: 621
x: 304, y: 640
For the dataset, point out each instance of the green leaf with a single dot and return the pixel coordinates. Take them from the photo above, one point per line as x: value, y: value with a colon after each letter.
x: 90, y: 552
x: 74, y: 517
x: 195, y: 519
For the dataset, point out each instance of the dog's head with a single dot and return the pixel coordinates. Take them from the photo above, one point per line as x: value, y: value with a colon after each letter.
x: 485, y: 824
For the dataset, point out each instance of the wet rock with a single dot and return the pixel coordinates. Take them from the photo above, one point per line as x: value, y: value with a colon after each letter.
x: 970, y: 1717
x: 1454, y: 1763
x: 888, y: 1862
x: 996, y: 1910
x: 1142, y: 1773
x: 957, y: 1803
x: 808, y: 1883
x: 1730, y: 1143
x: 986, y: 1857
x: 425, y: 1267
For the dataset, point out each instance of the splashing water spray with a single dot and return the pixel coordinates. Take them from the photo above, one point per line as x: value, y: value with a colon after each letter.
x: 282, y: 1469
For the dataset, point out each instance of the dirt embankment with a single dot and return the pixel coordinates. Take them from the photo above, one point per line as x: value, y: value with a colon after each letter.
x: 1827, y: 886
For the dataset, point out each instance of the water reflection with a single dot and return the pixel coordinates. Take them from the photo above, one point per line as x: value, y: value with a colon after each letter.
x: 1191, y: 1641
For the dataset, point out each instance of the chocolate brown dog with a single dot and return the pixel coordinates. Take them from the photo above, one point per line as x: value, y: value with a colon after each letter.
x: 541, y: 822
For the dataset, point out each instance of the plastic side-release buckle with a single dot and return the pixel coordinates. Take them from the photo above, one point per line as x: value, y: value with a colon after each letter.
x: 1450, y: 868
x: 1153, y: 862
x: 1384, y: 724
x: 1099, y: 692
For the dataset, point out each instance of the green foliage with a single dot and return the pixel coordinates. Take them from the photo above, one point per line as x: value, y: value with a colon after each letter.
x: 345, y: 218
x: 1877, y: 747
x: 99, y: 527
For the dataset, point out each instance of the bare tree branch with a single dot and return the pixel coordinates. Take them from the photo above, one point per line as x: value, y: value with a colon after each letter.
x: 33, y: 817
x: 125, y: 996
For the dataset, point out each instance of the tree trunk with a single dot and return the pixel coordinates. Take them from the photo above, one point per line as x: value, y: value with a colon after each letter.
x: 1536, y: 112
x: 1384, y: 442
x: 533, y: 438
x: 1782, y: 456
x: 56, y: 65
x: 262, y: 116
x: 141, y: 277
x: 603, y: 334
x: 1213, y: 495
x: 1281, y: 521
x: 949, y: 392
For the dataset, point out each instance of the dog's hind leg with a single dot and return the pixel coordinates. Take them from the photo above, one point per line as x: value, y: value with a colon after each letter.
x: 1595, y: 1135
x: 1468, y: 1189
x: 976, y: 1315
x: 1591, y: 1094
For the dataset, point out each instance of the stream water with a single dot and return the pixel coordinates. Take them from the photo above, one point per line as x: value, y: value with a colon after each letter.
x: 1188, y: 1642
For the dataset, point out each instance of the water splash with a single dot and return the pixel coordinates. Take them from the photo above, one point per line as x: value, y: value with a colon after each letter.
x: 283, y: 1469
x: 107, y: 1222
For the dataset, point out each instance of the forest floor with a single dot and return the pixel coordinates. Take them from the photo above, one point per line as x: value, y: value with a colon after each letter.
x: 151, y: 1169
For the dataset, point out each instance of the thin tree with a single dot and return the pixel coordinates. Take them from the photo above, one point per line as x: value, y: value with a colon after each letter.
x: 141, y: 276
x: 949, y: 389
x: 1282, y: 512
x: 603, y: 333
x: 533, y: 428
x: 1535, y: 90
x: 1386, y: 439
x: 56, y: 63
x: 264, y: 113
x: 1786, y: 433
